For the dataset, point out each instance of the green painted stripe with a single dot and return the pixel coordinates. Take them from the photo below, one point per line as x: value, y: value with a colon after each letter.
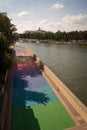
x: 52, y: 116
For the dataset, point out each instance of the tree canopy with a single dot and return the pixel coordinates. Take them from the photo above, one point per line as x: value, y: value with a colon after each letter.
x: 59, y: 36
x: 7, y: 29
x: 8, y: 37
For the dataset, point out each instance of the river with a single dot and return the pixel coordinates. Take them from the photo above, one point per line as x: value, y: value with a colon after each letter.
x: 68, y: 62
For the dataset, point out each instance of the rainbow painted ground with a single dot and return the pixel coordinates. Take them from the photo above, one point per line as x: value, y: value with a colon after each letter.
x: 35, y: 106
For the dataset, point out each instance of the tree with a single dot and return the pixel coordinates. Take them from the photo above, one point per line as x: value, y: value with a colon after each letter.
x: 7, y: 37
x: 59, y: 35
x: 3, y: 43
x: 7, y: 29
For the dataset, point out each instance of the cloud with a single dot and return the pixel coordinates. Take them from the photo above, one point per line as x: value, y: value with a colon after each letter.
x: 75, y: 19
x: 57, y: 6
x: 34, y: 25
x: 67, y: 23
x: 24, y: 25
x: 23, y: 14
x: 45, y: 21
x: 3, y: 0
x: 73, y: 22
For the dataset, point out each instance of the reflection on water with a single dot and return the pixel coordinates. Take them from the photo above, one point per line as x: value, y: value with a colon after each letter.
x: 68, y: 62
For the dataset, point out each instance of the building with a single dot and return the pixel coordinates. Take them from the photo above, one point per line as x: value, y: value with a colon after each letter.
x: 36, y: 31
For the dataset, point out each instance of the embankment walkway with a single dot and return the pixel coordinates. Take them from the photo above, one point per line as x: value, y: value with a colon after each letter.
x: 40, y: 101
x: 35, y: 106
x: 55, y: 94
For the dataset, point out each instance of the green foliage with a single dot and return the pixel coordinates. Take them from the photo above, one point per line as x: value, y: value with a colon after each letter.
x: 7, y: 29
x: 7, y: 38
x: 59, y: 36
x: 6, y: 61
x: 3, y: 43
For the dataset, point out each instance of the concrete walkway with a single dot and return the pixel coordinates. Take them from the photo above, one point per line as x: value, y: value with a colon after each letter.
x: 35, y: 106
x: 30, y: 103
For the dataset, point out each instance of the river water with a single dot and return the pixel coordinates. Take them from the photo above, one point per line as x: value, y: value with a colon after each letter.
x: 68, y: 62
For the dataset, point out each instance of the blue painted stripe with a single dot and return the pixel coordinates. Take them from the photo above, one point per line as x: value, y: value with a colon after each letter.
x: 29, y: 82
x: 26, y: 97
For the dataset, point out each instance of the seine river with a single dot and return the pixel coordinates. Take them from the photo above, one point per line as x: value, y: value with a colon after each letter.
x: 68, y: 62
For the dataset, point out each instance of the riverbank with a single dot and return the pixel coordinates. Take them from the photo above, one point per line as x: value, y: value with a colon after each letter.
x: 33, y: 95
x: 77, y: 110
x: 74, y: 42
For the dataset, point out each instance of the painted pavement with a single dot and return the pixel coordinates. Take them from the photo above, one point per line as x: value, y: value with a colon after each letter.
x: 35, y: 106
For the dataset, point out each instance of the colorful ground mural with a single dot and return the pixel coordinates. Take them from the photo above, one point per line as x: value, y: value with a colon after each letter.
x: 35, y: 106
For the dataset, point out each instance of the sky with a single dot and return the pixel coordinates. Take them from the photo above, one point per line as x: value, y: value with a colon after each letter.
x: 49, y: 15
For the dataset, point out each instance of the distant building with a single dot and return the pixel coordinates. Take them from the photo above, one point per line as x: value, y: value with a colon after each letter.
x: 37, y: 31
x: 40, y: 31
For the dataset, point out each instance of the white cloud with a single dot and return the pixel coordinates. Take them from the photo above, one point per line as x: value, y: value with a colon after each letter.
x: 75, y: 19
x: 44, y: 21
x: 57, y: 6
x: 4, y: 5
x: 22, y: 14
x: 73, y: 22
x: 34, y: 25
x: 4, y: 1
x: 67, y: 23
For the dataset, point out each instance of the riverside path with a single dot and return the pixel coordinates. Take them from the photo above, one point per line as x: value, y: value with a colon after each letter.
x: 34, y: 104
